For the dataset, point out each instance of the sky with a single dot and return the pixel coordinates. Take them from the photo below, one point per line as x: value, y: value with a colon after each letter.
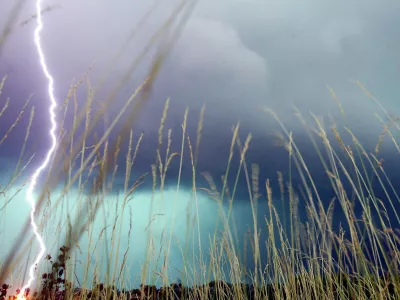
x: 235, y: 57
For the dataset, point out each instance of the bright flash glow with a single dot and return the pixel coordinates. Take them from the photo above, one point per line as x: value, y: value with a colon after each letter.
x: 52, y: 106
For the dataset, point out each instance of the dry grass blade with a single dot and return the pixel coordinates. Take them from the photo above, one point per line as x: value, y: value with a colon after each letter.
x: 10, y: 22
x: 16, y: 121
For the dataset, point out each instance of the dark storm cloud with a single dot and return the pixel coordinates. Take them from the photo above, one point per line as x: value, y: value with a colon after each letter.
x: 280, y: 55
x: 236, y: 57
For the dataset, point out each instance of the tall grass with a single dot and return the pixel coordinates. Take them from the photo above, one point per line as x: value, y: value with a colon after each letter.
x: 306, y: 256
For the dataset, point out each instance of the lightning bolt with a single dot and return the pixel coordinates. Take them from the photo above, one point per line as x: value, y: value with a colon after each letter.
x: 53, y: 105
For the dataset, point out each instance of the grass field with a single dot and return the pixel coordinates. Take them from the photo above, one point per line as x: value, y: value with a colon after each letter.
x: 308, y: 258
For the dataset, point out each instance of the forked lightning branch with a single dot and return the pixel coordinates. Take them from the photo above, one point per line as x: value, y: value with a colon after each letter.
x: 52, y: 104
